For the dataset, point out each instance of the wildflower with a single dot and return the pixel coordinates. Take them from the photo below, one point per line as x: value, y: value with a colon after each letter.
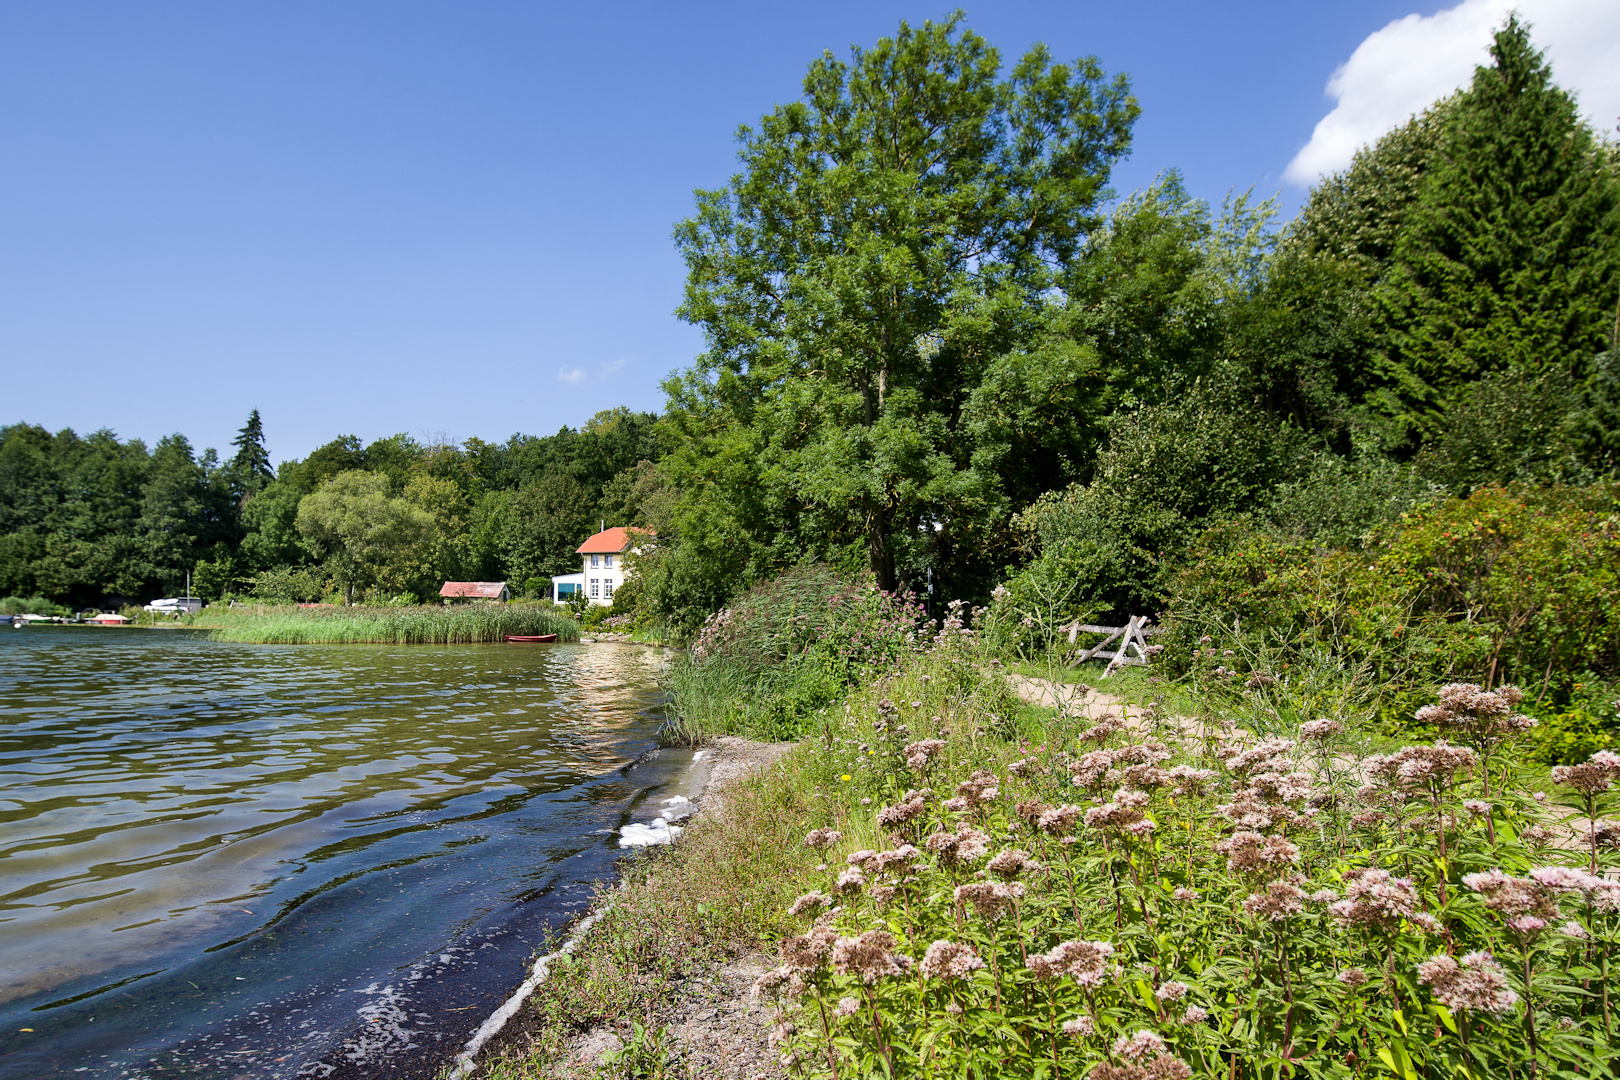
x: 844, y: 777
x: 1185, y: 894
x: 1423, y: 767
x: 1483, y: 717
x: 1320, y: 730
x: 1574, y: 930
x: 1355, y: 978
x: 848, y: 1006
x: 1030, y: 810
x: 808, y: 951
x: 809, y: 902
x: 1194, y: 1015
x: 965, y: 845
x: 1086, y: 962
x: 871, y: 956
x: 950, y: 960
x: 1526, y: 924
x: 1259, y: 681
x: 1281, y: 900
x: 1009, y: 864
x: 1188, y: 780
x: 1474, y: 983
x: 1171, y: 991
x: 980, y: 788
x: 910, y: 807
x: 782, y: 1033
x: 1323, y: 896
x: 1059, y: 821
x: 860, y: 858
x: 1512, y: 896
x: 823, y: 838
x: 1425, y: 922
x: 1102, y: 729
x: 919, y: 754
x: 1592, y: 777
x: 902, y: 857
x: 1478, y: 807
x: 989, y: 898
x: 1081, y: 1027
x: 1137, y: 1047
x: 1375, y: 898
x: 851, y: 880
x: 1535, y: 836
x: 1251, y: 853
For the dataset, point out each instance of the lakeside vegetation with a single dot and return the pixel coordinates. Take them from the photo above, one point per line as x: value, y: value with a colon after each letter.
x: 1250, y: 871
x: 470, y: 624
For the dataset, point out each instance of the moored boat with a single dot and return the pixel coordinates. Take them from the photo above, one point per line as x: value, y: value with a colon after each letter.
x: 525, y: 639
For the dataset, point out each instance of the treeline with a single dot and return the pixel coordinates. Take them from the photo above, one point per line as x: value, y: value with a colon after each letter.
x: 96, y: 520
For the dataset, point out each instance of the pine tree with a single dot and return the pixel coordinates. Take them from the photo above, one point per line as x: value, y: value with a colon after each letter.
x: 250, y: 469
x: 1509, y: 258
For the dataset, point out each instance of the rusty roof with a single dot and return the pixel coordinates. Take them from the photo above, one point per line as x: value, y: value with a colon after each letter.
x: 611, y: 541
x: 485, y: 590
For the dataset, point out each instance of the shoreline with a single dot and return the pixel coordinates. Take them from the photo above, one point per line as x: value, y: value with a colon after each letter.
x: 714, y: 1018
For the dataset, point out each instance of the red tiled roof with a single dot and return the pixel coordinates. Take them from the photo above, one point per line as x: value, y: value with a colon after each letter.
x: 610, y: 541
x: 487, y: 590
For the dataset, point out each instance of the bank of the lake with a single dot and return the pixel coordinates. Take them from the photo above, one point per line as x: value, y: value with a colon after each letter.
x: 298, y: 860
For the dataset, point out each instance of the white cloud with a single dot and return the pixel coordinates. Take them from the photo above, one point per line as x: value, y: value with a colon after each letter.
x: 613, y: 365
x: 1401, y: 69
x: 572, y: 376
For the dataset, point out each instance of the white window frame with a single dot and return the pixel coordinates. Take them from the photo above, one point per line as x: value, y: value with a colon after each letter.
x: 594, y: 563
x: 596, y: 584
x: 607, y: 562
x: 607, y: 588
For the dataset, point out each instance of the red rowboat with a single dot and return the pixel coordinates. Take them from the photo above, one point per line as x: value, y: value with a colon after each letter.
x: 527, y: 638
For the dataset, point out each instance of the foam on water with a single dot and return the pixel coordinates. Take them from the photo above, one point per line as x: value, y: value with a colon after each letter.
x: 657, y: 831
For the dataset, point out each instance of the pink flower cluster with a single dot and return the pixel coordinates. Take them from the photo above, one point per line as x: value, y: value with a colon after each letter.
x: 1473, y: 983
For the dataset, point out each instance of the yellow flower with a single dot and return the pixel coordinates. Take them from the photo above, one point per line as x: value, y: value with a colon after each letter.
x: 844, y: 777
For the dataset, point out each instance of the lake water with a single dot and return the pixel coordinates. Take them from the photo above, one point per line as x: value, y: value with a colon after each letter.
x: 222, y: 860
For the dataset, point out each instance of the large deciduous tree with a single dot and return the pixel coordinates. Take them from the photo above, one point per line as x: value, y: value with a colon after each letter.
x: 362, y: 534
x: 889, y: 235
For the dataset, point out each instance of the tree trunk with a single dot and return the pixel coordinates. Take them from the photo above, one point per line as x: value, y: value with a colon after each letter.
x: 879, y: 553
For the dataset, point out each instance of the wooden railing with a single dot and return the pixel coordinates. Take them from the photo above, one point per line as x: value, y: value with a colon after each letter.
x: 1136, y: 631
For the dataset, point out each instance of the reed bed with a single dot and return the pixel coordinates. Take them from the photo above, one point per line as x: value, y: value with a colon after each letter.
x: 473, y: 624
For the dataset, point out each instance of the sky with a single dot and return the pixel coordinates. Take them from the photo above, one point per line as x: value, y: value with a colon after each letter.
x: 453, y: 219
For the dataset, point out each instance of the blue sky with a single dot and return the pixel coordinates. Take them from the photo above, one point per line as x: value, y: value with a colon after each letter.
x: 454, y: 219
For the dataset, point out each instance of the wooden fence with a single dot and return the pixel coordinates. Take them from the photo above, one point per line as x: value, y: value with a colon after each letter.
x: 1136, y: 631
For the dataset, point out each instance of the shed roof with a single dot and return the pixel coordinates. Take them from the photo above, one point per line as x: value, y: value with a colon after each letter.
x: 485, y: 590
x: 611, y: 541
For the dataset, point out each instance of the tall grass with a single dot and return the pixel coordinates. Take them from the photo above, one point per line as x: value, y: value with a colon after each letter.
x: 470, y: 625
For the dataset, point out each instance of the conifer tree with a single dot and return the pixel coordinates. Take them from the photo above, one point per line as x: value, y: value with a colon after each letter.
x: 1509, y: 258
x: 250, y: 469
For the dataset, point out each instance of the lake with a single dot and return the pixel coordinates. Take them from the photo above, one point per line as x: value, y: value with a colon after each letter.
x: 241, y: 860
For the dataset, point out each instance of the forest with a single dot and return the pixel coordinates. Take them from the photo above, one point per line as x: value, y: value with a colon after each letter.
x: 942, y: 352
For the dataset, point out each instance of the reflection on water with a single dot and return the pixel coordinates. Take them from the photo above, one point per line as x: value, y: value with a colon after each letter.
x: 165, y: 800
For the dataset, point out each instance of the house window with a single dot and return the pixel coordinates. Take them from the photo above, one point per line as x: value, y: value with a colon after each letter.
x: 607, y: 561
x: 607, y: 590
x: 596, y: 584
x: 594, y: 563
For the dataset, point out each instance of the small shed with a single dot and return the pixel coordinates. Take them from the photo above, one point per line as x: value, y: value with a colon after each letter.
x: 475, y: 590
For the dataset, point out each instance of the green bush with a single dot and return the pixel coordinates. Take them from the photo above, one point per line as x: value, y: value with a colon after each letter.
x: 1508, y: 585
x: 33, y: 605
x: 787, y: 648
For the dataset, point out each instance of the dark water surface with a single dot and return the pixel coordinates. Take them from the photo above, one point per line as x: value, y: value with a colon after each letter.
x: 222, y: 860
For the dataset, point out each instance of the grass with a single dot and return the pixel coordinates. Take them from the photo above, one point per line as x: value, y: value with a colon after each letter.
x: 469, y: 624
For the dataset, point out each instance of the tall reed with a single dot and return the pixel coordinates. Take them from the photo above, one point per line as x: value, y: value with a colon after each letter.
x: 461, y: 625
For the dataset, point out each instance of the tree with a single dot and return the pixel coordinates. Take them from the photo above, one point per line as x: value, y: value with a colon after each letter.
x: 1510, y: 260
x: 545, y: 522
x: 362, y: 535
x: 249, y: 470
x: 890, y: 234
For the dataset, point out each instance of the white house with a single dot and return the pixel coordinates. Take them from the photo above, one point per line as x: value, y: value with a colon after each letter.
x: 603, y: 560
